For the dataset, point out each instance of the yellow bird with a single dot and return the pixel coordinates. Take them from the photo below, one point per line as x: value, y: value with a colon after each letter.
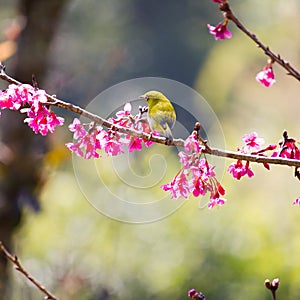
x: 161, y: 113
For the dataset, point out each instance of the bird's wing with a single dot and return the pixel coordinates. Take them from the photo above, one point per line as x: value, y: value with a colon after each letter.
x: 168, y: 116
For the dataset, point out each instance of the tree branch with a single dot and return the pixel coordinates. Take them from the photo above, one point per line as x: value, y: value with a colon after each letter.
x: 14, y: 259
x: 255, y: 158
x: 227, y: 12
x: 53, y: 101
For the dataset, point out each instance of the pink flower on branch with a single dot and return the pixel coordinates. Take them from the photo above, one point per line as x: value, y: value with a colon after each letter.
x: 288, y: 148
x: 16, y: 96
x: 32, y: 101
x: 220, y: 31
x: 126, y: 112
x: 266, y: 76
x: 252, y: 143
x: 252, y: 146
x: 216, y: 202
x: 135, y: 144
x: 191, y: 144
x: 41, y: 119
x: 111, y: 143
x: 179, y: 187
x: 196, y: 176
x: 77, y: 128
x: 238, y: 170
x: 88, y: 142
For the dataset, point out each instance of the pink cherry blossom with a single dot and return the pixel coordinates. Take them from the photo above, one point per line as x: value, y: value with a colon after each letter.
x: 86, y: 146
x: 15, y: 96
x: 184, y: 159
x: 297, y: 201
x: 290, y: 149
x: 216, y: 202
x: 39, y: 117
x: 111, y: 143
x: 91, y: 144
x: 135, y: 144
x: 148, y: 143
x: 77, y: 128
x: 196, y: 176
x: 127, y: 120
x: 238, y: 170
x: 266, y: 76
x: 86, y: 143
x: 199, y: 187
x: 204, y: 167
x: 126, y: 112
x: 9, y: 102
x: 123, y: 117
x: 179, y: 187
x: 252, y: 142
x: 75, y: 148
x: 192, y: 145
x: 220, y: 31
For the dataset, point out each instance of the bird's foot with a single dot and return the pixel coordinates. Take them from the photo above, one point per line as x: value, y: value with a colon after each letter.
x: 168, y: 141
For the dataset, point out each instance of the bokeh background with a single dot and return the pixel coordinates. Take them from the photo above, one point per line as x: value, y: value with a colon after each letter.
x: 88, y: 46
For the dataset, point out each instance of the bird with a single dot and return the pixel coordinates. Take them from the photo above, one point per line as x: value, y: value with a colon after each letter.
x: 161, y: 113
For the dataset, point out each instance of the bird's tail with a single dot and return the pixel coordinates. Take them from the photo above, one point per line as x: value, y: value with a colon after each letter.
x: 168, y: 132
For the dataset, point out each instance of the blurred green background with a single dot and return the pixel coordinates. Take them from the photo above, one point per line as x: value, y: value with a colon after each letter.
x: 226, y: 253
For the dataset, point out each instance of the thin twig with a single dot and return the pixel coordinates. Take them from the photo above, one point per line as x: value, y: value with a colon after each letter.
x: 14, y: 259
x: 225, y: 8
x: 255, y: 158
x: 157, y: 139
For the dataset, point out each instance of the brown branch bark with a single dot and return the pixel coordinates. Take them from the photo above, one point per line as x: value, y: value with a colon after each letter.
x: 160, y: 140
x: 225, y: 8
x: 19, y: 267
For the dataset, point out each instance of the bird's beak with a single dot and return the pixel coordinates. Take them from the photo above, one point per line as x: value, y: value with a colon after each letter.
x: 143, y: 97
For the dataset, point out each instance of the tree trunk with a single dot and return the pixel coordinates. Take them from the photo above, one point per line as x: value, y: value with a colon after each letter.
x: 20, y: 175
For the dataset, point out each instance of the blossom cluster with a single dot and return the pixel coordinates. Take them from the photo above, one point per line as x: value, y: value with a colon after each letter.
x: 90, y: 138
x: 33, y: 102
x: 220, y: 32
x: 252, y: 144
x: 287, y: 148
x: 196, y: 176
